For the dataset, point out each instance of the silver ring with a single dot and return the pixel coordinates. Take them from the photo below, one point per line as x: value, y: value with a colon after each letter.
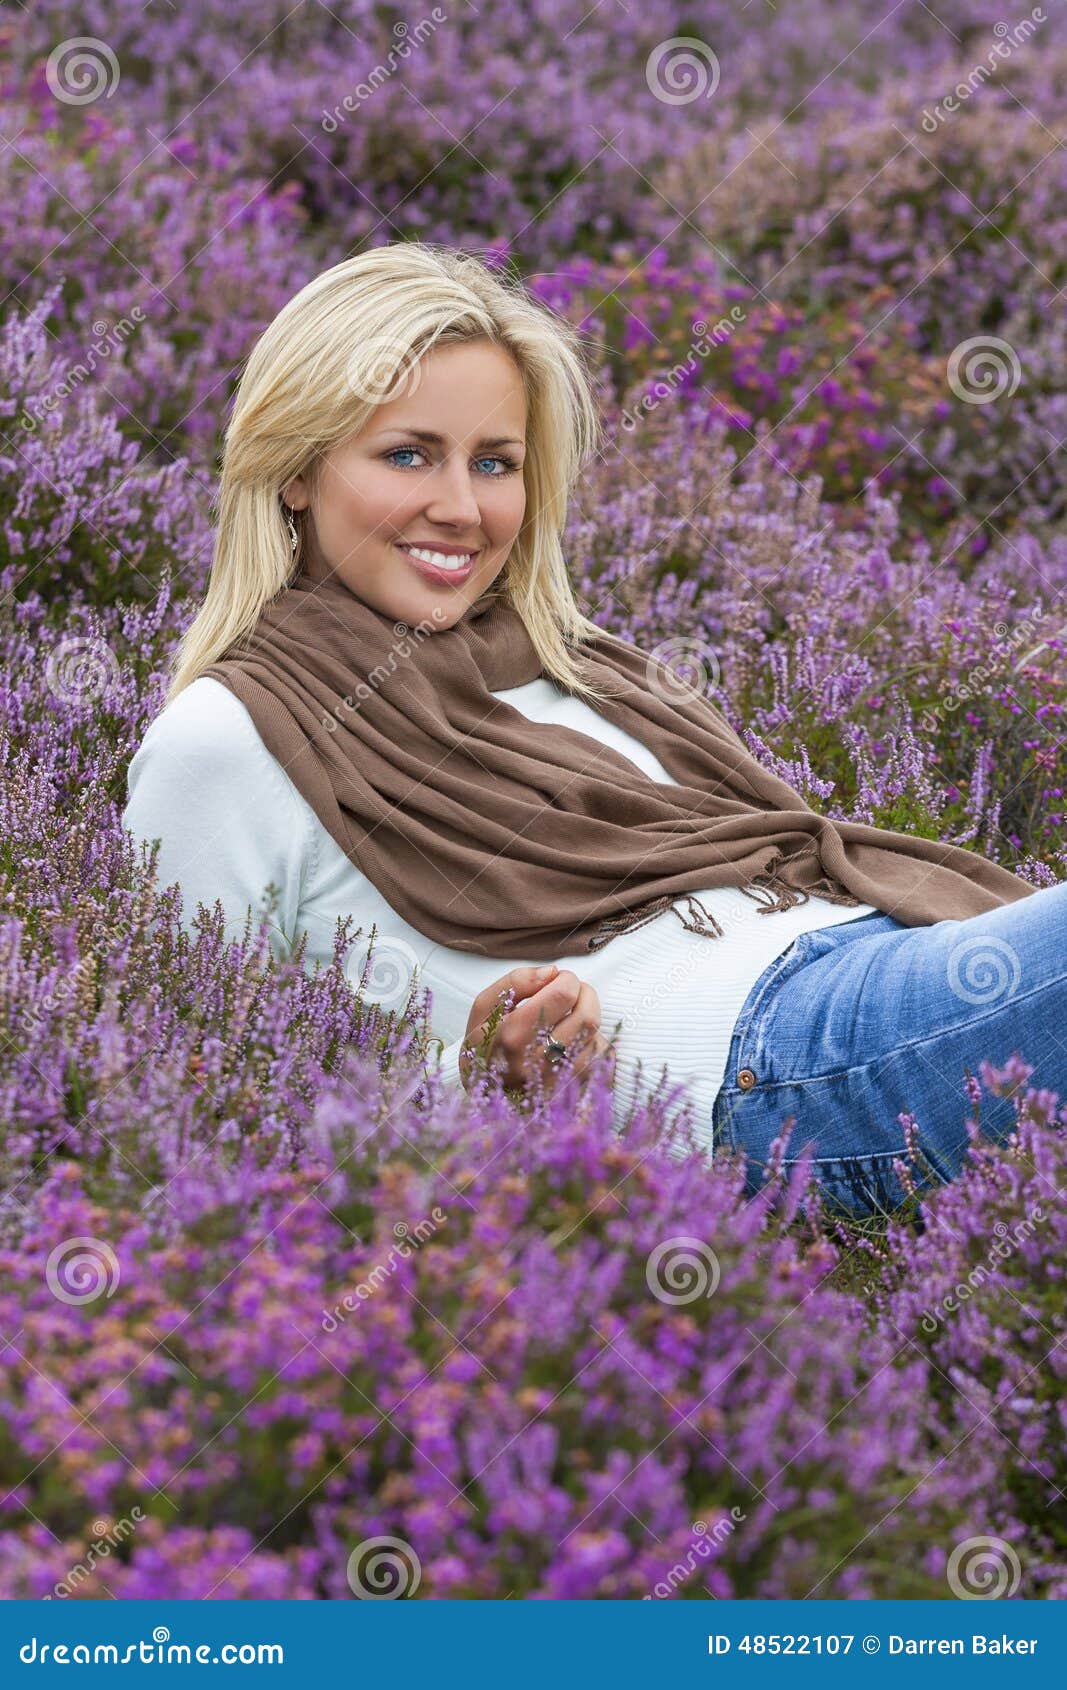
x: 554, y: 1050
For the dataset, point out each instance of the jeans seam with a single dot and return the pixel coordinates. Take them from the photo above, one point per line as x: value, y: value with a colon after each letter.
x: 894, y: 1050
x: 772, y: 976
x: 848, y: 1156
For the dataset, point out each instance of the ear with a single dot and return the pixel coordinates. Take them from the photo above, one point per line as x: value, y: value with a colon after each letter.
x: 295, y: 494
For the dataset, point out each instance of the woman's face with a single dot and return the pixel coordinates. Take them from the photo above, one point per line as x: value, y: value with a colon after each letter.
x: 386, y: 490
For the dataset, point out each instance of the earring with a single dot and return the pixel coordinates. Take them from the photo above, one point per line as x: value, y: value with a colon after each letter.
x: 294, y: 538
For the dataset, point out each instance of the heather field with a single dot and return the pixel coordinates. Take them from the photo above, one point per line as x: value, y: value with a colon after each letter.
x: 279, y: 1315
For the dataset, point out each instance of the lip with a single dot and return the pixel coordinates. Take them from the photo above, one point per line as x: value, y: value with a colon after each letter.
x: 446, y: 577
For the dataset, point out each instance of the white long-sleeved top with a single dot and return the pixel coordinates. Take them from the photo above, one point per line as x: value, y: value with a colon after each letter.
x: 231, y: 822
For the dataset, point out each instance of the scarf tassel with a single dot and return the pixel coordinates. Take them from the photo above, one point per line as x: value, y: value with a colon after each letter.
x: 777, y: 894
x: 698, y: 920
x: 769, y: 890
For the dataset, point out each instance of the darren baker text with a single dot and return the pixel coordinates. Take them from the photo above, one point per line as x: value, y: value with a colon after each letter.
x: 980, y: 1645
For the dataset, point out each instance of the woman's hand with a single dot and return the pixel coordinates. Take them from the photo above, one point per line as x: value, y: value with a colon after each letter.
x: 546, y: 997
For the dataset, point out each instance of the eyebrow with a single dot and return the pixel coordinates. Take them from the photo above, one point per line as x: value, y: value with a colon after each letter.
x: 431, y: 439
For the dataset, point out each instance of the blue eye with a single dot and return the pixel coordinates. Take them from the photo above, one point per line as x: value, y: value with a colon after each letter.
x: 510, y: 464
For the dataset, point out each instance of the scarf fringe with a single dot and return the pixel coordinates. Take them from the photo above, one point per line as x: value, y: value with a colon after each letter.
x: 768, y: 890
x: 698, y: 920
x: 777, y: 894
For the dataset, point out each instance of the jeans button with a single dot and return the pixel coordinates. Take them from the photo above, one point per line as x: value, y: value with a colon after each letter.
x: 746, y: 1079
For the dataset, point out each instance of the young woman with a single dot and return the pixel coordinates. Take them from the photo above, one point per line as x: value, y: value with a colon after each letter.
x: 389, y: 707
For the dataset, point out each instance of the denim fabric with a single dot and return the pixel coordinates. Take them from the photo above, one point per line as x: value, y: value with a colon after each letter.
x: 856, y: 1023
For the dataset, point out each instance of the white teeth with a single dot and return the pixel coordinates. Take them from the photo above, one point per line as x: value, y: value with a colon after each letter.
x: 439, y: 560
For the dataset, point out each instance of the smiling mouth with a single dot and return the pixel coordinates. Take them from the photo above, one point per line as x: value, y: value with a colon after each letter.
x: 440, y: 566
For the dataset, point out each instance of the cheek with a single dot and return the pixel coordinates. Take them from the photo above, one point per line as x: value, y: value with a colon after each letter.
x: 372, y: 502
x: 508, y: 509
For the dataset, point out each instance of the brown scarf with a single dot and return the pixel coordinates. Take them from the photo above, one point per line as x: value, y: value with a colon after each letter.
x: 491, y: 833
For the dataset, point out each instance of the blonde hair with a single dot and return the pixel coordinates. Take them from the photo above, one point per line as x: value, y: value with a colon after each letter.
x: 350, y: 333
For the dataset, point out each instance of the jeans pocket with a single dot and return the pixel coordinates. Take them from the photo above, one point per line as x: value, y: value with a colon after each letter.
x: 849, y: 1187
x: 861, y: 1186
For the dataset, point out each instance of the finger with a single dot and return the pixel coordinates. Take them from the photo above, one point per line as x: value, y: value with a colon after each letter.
x: 582, y: 1021
x: 515, y: 1030
x: 547, y: 1006
x: 523, y: 982
x: 576, y: 1029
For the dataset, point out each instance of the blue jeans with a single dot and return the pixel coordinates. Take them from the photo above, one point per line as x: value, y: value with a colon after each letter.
x: 856, y: 1023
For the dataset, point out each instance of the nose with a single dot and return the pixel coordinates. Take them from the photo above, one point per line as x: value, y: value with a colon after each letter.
x: 453, y: 501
